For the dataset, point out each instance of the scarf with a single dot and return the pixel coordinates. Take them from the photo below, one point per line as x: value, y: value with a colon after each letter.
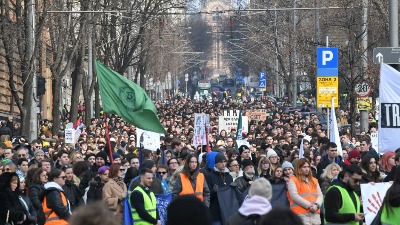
x: 119, y: 181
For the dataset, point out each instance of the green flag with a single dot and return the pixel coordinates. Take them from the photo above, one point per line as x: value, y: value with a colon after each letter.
x: 125, y: 98
x: 239, y: 130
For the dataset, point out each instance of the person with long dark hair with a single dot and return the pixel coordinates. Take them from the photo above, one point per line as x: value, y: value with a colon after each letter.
x: 29, y: 210
x: 11, y: 209
x: 370, y: 169
x: 391, y: 203
x: 191, y: 181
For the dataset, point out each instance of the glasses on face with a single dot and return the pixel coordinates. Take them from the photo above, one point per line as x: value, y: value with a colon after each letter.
x: 161, y: 172
x: 63, y: 177
x: 38, y: 146
x: 6, y: 169
x: 21, y: 155
x: 79, y: 157
x: 122, y: 170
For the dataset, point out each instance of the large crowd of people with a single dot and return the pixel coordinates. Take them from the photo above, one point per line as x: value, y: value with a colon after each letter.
x: 267, y: 181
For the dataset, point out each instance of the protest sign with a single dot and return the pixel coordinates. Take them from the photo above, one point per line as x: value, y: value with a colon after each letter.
x: 69, y: 135
x: 201, y: 121
x: 372, y: 196
x: 147, y: 139
x: 257, y: 115
x: 230, y: 121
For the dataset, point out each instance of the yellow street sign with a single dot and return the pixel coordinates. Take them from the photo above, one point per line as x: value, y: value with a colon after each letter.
x: 327, y: 88
x: 364, y: 103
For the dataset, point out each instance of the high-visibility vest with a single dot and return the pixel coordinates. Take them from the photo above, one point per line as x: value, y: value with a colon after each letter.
x: 306, y: 191
x: 187, y: 188
x: 51, y: 216
x: 390, y: 215
x: 149, y: 206
x: 347, y: 205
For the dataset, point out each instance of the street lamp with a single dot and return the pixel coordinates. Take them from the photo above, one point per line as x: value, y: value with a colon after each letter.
x: 169, y: 85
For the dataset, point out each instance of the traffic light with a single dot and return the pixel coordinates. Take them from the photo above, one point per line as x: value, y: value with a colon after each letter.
x: 41, y: 86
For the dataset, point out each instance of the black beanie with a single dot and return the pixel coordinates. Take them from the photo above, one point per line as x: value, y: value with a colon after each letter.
x: 246, y: 162
x: 103, y: 155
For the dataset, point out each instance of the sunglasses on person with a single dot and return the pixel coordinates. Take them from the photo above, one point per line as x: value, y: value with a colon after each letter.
x: 161, y: 172
x: 63, y: 177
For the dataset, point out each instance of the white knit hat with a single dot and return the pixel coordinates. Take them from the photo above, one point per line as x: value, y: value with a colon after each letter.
x: 271, y: 153
x: 261, y: 187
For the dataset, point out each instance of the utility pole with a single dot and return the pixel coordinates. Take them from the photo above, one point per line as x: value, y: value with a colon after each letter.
x: 364, y: 123
x: 294, y: 57
x: 394, y: 23
x: 33, y: 134
x: 277, y: 80
x: 90, y: 64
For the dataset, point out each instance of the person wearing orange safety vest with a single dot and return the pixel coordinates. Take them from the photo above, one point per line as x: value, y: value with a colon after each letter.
x: 55, y: 204
x: 305, y: 195
x: 192, y: 182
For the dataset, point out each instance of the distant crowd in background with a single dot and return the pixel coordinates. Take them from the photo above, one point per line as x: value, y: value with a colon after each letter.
x: 265, y: 182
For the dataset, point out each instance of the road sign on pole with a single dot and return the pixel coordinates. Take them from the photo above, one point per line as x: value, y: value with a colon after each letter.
x: 386, y: 55
x: 363, y: 89
x: 327, y: 61
x: 262, y: 83
x: 327, y: 88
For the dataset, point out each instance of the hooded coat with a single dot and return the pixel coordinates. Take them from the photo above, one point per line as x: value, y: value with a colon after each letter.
x: 9, y: 200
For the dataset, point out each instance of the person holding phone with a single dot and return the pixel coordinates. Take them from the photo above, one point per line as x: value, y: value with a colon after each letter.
x: 342, y: 204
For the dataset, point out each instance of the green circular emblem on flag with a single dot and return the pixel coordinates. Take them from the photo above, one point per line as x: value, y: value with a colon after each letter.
x: 127, y: 96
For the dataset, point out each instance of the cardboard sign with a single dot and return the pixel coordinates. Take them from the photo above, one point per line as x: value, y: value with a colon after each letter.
x: 256, y: 115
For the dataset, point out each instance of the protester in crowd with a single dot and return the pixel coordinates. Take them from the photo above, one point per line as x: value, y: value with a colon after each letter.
x: 156, y: 185
x: 29, y: 210
x: 288, y: 170
x: 305, y: 194
x: 95, y: 189
x: 101, y: 160
x: 36, y: 192
x: 391, y: 203
x: 234, y: 169
x: 55, y: 203
x: 192, y: 181
x: 387, y: 162
x: 9, y: 166
x: 22, y: 167
x: 114, y: 191
x: 255, y: 205
x: 370, y: 169
x: 217, y: 179
x: 134, y: 161
x: 173, y: 164
x: 354, y: 157
x: 331, y: 172
x: 342, y: 204
x: 11, y: 209
x: 264, y: 168
x: 71, y: 190
x: 188, y: 209
x: 143, y: 200
x: 273, y: 159
x: 391, y: 174
x: 243, y: 183
x: 277, y: 177
x: 329, y: 158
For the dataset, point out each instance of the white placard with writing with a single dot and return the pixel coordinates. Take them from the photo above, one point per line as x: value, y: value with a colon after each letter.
x: 228, y: 123
x: 147, y: 139
x: 69, y: 135
x: 201, y: 121
x: 374, y: 141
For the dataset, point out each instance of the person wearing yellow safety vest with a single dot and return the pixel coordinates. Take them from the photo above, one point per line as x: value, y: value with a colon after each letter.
x: 391, y: 203
x: 342, y: 204
x: 143, y: 201
x: 305, y: 195
x: 191, y: 181
x: 56, y: 207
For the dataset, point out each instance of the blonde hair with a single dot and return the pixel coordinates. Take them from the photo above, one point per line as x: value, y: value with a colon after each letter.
x: 328, y: 171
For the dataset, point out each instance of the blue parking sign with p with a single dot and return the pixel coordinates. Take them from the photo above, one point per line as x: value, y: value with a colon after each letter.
x: 327, y: 61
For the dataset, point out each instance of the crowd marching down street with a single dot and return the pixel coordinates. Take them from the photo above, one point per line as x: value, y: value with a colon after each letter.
x: 277, y: 168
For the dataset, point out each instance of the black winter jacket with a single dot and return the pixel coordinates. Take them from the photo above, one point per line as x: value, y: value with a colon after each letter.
x: 95, y: 192
x: 9, y: 200
x: 36, y: 193
x: 73, y: 194
x: 54, y: 201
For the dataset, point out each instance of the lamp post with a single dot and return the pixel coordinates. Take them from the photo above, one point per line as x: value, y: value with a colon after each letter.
x: 169, y: 85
